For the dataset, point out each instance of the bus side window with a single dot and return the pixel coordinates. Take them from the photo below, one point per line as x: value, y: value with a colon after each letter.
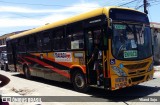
x: 39, y: 42
x: 21, y: 45
x: 58, y: 39
x: 74, y: 36
x: 46, y: 41
x: 32, y: 43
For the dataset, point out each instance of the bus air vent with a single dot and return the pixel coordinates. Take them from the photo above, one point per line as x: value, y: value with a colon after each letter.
x: 136, y: 79
x: 136, y: 66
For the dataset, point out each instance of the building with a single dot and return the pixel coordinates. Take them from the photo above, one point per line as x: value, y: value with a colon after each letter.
x: 4, y: 37
x: 155, y: 29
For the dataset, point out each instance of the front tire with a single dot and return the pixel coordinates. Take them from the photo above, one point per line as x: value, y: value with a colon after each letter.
x: 79, y: 82
x: 27, y: 72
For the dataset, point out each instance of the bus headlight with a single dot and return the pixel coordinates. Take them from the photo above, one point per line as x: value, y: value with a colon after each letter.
x: 150, y: 67
x: 118, y: 71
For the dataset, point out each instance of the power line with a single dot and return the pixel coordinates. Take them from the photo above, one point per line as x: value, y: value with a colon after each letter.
x: 112, y: 3
x: 156, y: 4
x: 119, y: 2
x: 128, y: 3
x: 154, y: 1
x: 138, y: 3
x: 150, y: 3
x: 44, y: 4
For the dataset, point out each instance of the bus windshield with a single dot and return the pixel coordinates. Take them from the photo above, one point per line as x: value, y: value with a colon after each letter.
x: 131, y: 41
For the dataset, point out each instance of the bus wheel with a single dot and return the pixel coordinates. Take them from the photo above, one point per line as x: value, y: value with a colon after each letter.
x: 79, y: 82
x: 27, y: 72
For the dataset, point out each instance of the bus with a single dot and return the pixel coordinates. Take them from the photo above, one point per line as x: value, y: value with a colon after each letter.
x: 63, y: 50
x: 155, y: 30
x: 3, y: 58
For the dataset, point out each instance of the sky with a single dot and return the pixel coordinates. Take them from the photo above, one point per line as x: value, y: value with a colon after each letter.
x: 18, y: 15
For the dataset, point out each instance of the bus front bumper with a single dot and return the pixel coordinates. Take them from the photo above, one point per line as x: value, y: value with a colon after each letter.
x: 122, y: 82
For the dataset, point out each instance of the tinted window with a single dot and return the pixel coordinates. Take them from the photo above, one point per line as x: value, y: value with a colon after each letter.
x: 46, y: 41
x: 32, y: 43
x: 128, y: 15
x: 39, y: 42
x: 58, y: 39
x: 21, y: 45
x: 75, y: 36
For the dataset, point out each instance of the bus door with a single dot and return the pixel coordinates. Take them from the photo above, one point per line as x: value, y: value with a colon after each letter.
x: 91, y: 36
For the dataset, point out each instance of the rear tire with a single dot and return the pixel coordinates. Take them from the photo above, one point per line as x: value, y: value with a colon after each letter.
x: 79, y: 82
x: 27, y: 72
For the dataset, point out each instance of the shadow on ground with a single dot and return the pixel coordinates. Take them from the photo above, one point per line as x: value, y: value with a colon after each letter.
x: 101, y: 95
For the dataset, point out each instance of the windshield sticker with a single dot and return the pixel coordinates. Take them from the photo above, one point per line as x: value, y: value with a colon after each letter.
x: 133, y: 44
x: 130, y: 54
x: 120, y: 27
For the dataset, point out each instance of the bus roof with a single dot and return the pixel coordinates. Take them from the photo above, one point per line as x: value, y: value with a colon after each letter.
x: 93, y: 13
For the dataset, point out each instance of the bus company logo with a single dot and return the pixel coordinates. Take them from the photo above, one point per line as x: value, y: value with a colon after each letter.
x: 63, y: 56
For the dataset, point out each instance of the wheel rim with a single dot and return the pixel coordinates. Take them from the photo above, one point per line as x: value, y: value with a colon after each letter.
x: 79, y: 81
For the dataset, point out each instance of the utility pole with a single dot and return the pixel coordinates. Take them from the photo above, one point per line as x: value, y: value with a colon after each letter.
x: 145, y: 6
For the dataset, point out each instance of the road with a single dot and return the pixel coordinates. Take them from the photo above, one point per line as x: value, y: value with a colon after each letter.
x: 19, y: 86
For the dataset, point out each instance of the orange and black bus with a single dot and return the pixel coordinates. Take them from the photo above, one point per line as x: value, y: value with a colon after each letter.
x: 62, y: 51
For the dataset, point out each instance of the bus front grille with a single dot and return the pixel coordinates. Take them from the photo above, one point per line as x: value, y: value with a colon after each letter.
x: 135, y: 72
x: 136, y: 79
x: 136, y: 66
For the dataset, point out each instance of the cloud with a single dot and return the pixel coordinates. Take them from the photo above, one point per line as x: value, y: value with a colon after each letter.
x: 22, y: 16
x: 73, y: 8
x: 7, y: 22
x: 17, y: 22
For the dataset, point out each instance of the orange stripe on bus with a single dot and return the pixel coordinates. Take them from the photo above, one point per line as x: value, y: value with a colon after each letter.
x: 52, y: 59
x: 24, y: 60
x: 50, y: 67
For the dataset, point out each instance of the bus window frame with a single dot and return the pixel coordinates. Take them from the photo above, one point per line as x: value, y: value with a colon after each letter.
x: 54, y: 39
x: 33, y: 43
x: 39, y: 43
x: 69, y: 31
x: 19, y: 45
x: 42, y: 36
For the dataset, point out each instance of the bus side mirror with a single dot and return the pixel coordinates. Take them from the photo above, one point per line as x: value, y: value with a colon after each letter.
x: 109, y: 20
